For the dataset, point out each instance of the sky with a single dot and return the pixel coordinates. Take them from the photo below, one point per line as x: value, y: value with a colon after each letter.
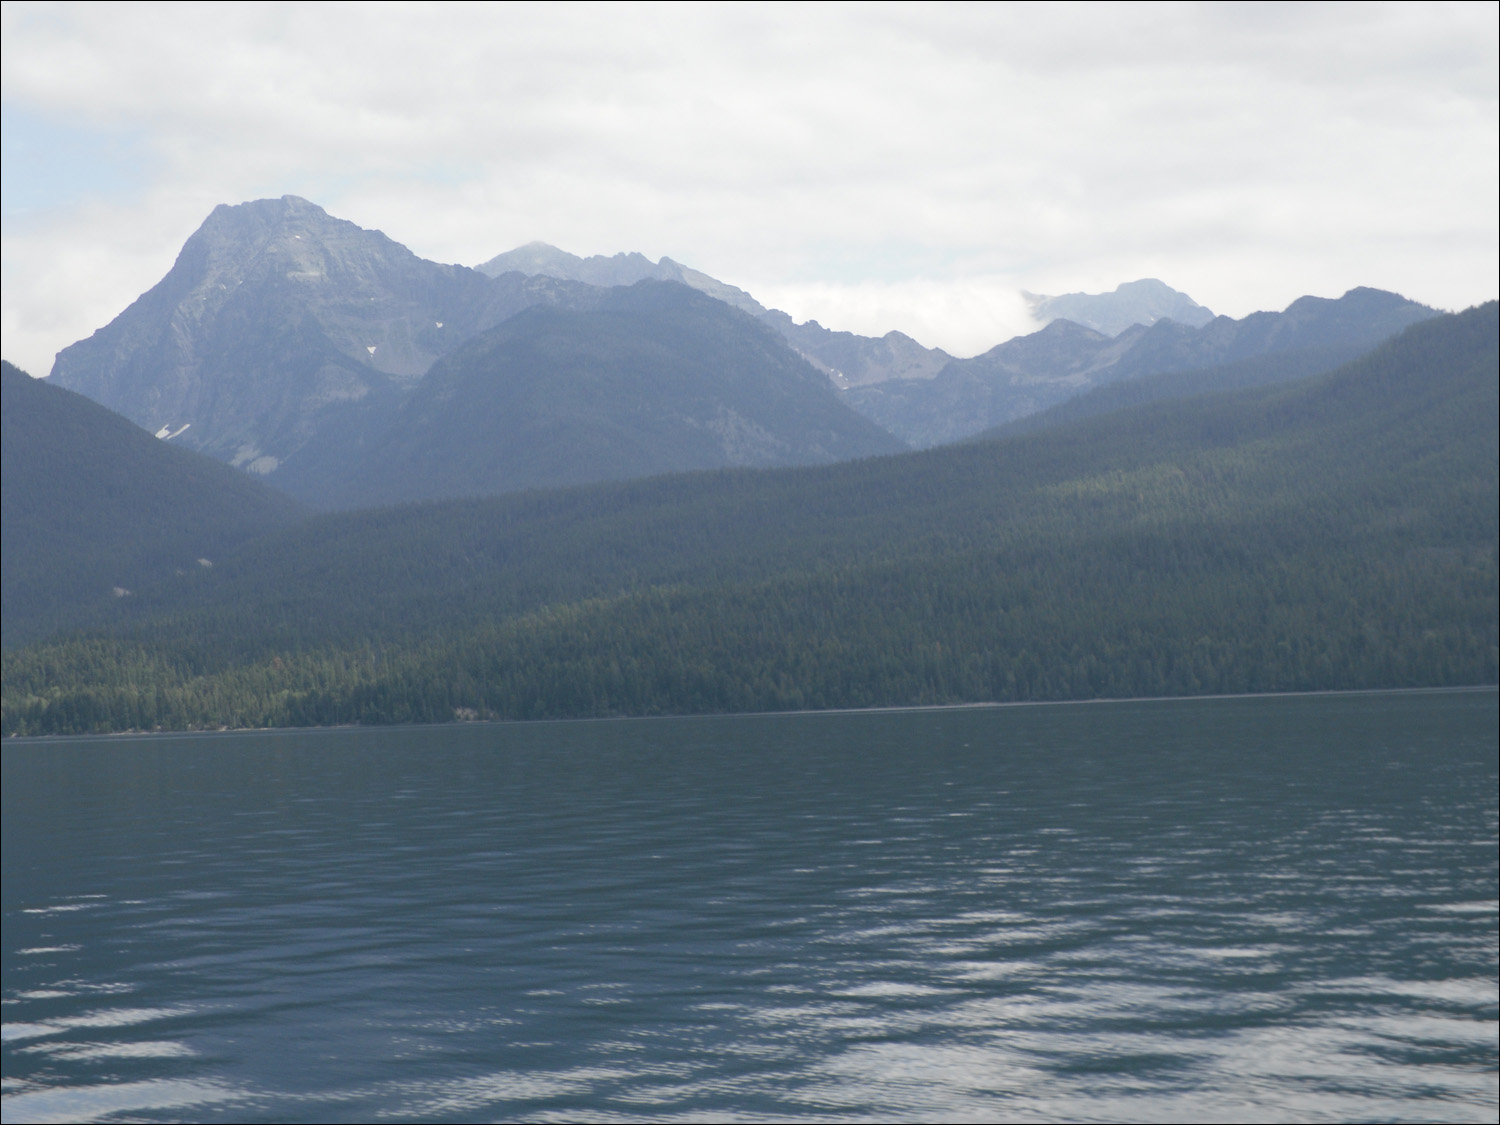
x: 876, y: 167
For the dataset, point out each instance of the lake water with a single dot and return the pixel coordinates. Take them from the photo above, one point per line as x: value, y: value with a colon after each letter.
x: 1229, y: 909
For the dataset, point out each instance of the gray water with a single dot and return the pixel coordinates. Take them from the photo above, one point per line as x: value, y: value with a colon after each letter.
x: 1227, y: 909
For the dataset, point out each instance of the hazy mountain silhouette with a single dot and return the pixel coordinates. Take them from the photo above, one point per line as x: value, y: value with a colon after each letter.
x: 652, y: 378
x: 1030, y: 374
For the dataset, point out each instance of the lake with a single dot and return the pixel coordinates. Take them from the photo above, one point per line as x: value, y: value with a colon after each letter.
x: 1229, y: 909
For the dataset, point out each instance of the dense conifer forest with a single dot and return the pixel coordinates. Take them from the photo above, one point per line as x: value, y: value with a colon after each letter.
x: 1338, y: 531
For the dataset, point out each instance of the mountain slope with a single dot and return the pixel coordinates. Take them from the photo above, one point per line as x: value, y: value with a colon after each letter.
x: 650, y: 379
x: 1333, y: 532
x: 94, y: 504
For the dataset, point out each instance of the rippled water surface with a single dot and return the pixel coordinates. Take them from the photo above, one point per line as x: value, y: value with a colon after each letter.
x: 1234, y: 909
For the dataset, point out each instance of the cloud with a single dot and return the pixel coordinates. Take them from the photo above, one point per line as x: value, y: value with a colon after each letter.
x: 851, y: 158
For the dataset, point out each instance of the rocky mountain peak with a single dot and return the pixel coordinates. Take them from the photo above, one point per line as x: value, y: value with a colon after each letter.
x: 275, y: 318
x: 1133, y: 302
x: 288, y: 239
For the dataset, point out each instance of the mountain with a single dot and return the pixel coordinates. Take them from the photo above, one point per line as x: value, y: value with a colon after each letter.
x: 1257, y: 371
x: 1361, y: 318
x: 95, y: 507
x: 846, y: 358
x: 539, y: 259
x: 1029, y: 374
x: 1135, y: 302
x: 281, y: 330
x: 851, y: 360
x: 1014, y: 379
x: 648, y: 379
x: 296, y: 345
x: 1335, y: 531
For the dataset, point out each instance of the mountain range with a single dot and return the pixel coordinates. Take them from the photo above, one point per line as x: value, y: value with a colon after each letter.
x: 345, y: 370
x: 1029, y: 374
x: 846, y: 358
x: 927, y: 397
x: 298, y: 346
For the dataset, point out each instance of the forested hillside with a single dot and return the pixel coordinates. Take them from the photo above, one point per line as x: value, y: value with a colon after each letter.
x: 96, y: 508
x: 1332, y: 532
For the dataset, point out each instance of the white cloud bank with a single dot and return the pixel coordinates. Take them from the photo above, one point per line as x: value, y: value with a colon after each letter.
x: 875, y: 167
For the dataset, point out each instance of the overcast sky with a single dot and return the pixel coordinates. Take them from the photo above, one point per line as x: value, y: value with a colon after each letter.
x: 875, y: 167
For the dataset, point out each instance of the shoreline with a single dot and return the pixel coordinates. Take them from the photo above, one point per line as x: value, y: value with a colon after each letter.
x: 894, y: 709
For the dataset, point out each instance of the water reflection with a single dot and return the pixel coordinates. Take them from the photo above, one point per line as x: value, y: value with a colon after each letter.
x: 1233, y: 908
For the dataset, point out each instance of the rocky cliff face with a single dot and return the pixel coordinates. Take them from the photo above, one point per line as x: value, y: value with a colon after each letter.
x: 279, y: 326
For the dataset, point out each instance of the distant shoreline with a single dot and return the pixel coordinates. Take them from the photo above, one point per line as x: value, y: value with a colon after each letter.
x: 984, y: 706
